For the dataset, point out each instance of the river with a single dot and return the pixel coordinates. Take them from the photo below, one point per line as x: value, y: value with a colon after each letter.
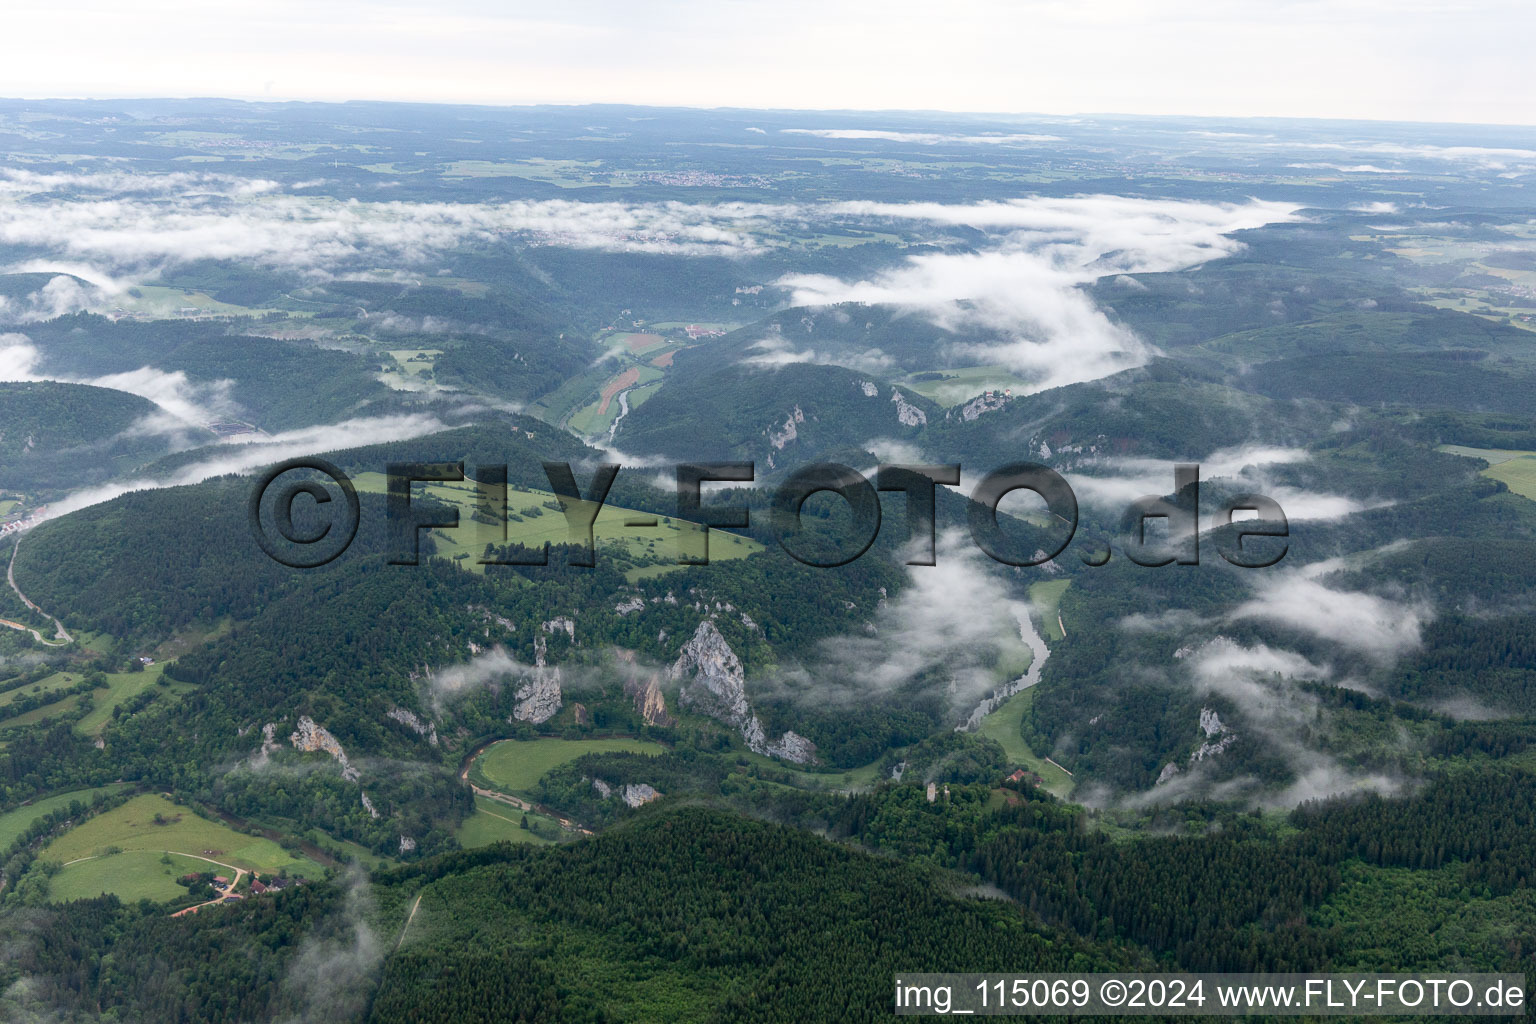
x: 1031, y: 676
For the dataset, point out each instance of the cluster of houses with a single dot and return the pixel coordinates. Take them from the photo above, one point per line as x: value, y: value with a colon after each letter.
x: 17, y: 525
x: 224, y: 889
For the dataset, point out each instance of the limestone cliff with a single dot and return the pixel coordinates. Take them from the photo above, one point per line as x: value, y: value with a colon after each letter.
x: 714, y: 684
x: 309, y: 736
x: 648, y: 698
x: 416, y: 725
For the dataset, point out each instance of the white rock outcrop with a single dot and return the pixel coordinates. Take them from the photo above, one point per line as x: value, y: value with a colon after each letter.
x: 538, y: 696
x: 787, y: 433
x: 637, y: 794
x: 714, y: 684
x: 793, y: 747
x: 309, y: 737
x: 907, y: 414
x: 416, y: 725
x: 982, y: 404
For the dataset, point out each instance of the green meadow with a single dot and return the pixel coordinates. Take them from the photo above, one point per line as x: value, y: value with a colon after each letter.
x: 14, y: 823
x: 515, y: 766
x: 1005, y: 725
x: 536, y: 524
x: 496, y: 822
x: 1517, y: 469
x: 151, y: 823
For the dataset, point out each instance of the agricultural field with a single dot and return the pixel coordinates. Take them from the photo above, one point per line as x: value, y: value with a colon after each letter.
x: 122, y: 687
x: 151, y: 823
x: 1517, y: 469
x: 166, y: 302
x: 58, y: 707
x: 595, y: 418
x: 560, y: 173
x: 14, y: 823
x: 496, y: 822
x: 48, y: 684
x: 1005, y: 725
x: 1046, y: 597
x: 515, y: 766
x: 536, y: 523
x: 130, y: 876
x: 416, y: 366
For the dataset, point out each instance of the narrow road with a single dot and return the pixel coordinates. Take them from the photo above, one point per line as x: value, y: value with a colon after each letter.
x: 520, y: 804
x: 239, y: 874
x: 409, y: 918
x: 10, y: 576
x: 11, y: 624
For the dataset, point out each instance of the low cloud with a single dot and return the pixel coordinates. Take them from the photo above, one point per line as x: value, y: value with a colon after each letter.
x: 1025, y: 289
x: 243, y: 457
x: 1113, y: 483
x: 455, y: 682
x: 923, y: 138
x: 191, y: 402
x: 1373, y: 626
x: 331, y: 978
x: 954, y: 621
x: 774, y: 352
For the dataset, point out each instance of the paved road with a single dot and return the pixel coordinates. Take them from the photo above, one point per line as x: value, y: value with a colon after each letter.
x: 10, y: 576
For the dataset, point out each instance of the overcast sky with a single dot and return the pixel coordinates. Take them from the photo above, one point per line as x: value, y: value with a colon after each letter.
x: 1387, y: 59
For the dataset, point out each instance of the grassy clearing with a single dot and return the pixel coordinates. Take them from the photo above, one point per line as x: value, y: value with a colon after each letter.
x: 133, y: 827
x: 1517, y: 469
x: 515, y: 766
x: 1494, y: 456
x: 495, y: 822
x: 123, y: 687
x: 1046, y: 597
x: 130, y: 876
x: 415, y: 362
x: 48, y: 684
x: 1518, y: 474
x: 1005, y: 725
x: 14, y: 823
x: 537, y: 524
x: 861, y: 778
x: 962, y: 383
x: 58, y: 707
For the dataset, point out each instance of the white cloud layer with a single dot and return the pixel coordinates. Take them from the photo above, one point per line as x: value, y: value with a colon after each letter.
x: 236, y: 457
x: 1026, y: 290
x: 189, y: 401
x: 923, y: 138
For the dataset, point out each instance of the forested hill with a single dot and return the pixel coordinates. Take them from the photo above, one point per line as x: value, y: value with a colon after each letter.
x: 70, y: 435
x: 687, y: 914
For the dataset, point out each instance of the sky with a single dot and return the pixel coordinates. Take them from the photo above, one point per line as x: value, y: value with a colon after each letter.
x: 1403, y: 60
